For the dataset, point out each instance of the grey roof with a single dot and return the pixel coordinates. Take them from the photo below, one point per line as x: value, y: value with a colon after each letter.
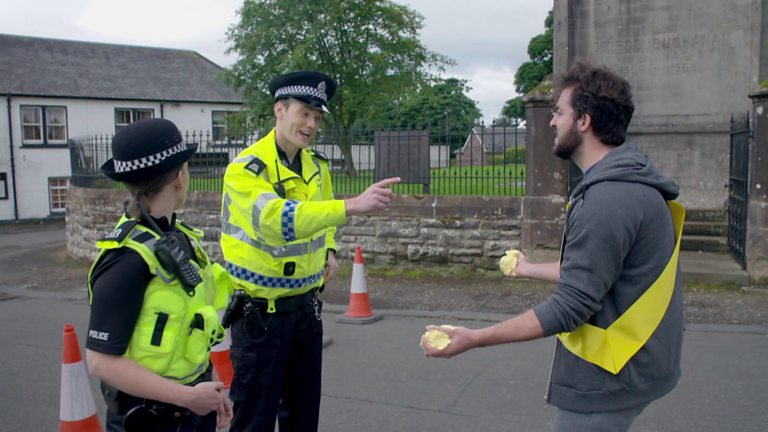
x: 62, y: 68
x: 497, y: 139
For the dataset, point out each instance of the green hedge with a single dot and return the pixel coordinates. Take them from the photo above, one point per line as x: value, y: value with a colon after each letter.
x: 512, y: 155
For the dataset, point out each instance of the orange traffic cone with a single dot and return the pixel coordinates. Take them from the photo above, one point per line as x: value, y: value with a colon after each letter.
x: 359, y: 310
x: 77, y: 410
x: 222, y: 363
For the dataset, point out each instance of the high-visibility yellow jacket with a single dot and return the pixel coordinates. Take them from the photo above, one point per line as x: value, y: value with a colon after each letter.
x: 277, y: 226
x: 175, y: 331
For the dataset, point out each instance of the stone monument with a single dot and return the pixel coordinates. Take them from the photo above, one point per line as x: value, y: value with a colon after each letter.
x: 691, y: 64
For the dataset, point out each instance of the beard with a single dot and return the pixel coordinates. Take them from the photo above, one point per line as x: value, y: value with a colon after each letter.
x: 568, y: 143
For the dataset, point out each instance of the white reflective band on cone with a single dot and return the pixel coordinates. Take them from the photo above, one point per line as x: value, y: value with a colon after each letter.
x: 77, y: 400
x: 358, y: 279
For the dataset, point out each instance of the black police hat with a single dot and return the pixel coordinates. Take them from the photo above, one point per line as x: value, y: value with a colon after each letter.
x: 146, y: 149
x: 312, y: 88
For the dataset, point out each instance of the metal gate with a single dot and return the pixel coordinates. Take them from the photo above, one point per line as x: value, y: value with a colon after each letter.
x: 574, y: 176
x: 738, y: 188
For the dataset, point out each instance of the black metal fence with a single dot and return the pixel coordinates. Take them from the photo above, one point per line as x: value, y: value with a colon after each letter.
x: 738, y: 188
x: 574, y: 176
x: 482, y: 162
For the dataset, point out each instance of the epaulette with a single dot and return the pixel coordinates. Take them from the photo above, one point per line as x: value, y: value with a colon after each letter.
x: 194, y: 232
x: 320, y: 155
x: 118, y: 234
x: 256, y: 166
x: 178, y: 222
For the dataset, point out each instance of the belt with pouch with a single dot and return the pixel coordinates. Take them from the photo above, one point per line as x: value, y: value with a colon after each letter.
x: 154, y: 417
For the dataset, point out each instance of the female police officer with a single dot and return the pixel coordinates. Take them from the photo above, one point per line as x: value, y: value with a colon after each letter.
x: 154, y: 295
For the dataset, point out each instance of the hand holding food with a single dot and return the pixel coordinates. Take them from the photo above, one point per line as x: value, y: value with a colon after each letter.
x: 508, y: 263
x: 436, y: 338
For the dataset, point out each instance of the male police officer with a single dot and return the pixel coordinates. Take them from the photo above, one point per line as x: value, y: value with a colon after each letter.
x: 279, y: 219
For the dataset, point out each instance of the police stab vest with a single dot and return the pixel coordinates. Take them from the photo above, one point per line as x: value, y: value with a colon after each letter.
x: 174, y: 331
x: 611, y: 348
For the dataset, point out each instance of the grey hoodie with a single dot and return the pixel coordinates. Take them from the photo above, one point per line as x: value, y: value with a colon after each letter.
x: 618, y: 237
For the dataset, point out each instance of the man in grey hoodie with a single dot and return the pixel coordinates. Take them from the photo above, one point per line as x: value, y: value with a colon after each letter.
x: 619, y: 238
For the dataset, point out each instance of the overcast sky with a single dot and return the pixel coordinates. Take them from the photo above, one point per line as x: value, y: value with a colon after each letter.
x: 487, y: 38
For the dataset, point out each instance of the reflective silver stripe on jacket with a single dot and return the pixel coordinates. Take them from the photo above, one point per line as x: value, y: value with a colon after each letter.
x: 246, y: 158
x: 259, y: 205
x: 283, y: 251
x: 150, y: 243
x: 198, y: 370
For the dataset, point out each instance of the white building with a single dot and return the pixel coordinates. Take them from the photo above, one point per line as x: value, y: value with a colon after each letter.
x: 56, y: 90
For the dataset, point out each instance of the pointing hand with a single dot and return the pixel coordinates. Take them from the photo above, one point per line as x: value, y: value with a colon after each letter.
x: 378, y: 196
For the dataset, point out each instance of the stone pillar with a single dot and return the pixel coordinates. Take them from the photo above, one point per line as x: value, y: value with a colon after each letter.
x: 563, y: 35
x: 546, y: 180
x: 762, y: 54
x: 757, y: 212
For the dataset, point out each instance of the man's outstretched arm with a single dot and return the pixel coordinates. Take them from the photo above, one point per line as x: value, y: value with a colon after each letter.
x: 523, y: 327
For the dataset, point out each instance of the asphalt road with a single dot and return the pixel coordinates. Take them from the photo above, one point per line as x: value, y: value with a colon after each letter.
x: 13, y: 242
x: 377, y: 379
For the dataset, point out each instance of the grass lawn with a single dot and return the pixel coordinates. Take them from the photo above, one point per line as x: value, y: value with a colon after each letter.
x: 498, y: 180
x: 492, y: 180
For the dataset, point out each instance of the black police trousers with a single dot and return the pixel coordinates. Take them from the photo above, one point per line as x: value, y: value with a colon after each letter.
x: 277, y: 359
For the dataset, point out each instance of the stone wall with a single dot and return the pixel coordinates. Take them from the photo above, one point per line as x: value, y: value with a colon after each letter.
x: 757, y: 222
x: 463, y: 230
x: 691, y: 64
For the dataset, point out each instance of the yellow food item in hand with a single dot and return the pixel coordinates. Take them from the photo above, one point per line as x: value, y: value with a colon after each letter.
x: 437, y: 339
x: 508, y: 263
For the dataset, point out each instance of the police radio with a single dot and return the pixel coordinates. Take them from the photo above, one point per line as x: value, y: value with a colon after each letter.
x: 172, y: 257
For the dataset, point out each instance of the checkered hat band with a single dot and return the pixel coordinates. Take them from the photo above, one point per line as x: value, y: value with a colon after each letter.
x: 148, y: 161
x: 299, y: 90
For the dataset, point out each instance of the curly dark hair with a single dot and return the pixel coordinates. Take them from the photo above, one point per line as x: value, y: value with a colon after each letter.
x: 602, y: 94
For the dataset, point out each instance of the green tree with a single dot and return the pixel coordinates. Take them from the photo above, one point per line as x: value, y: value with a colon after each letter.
x: 502, y: 122
x: 540, y: 52
x: 532, y: 72
x: 443, y: 107
x: 514, y: 109
x: 370, y: 47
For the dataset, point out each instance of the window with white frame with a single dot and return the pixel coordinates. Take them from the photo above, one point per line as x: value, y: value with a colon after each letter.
x: 57, y: 191
x: 126, y: 116
x: 219, y: 124
x: 41, y: 125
